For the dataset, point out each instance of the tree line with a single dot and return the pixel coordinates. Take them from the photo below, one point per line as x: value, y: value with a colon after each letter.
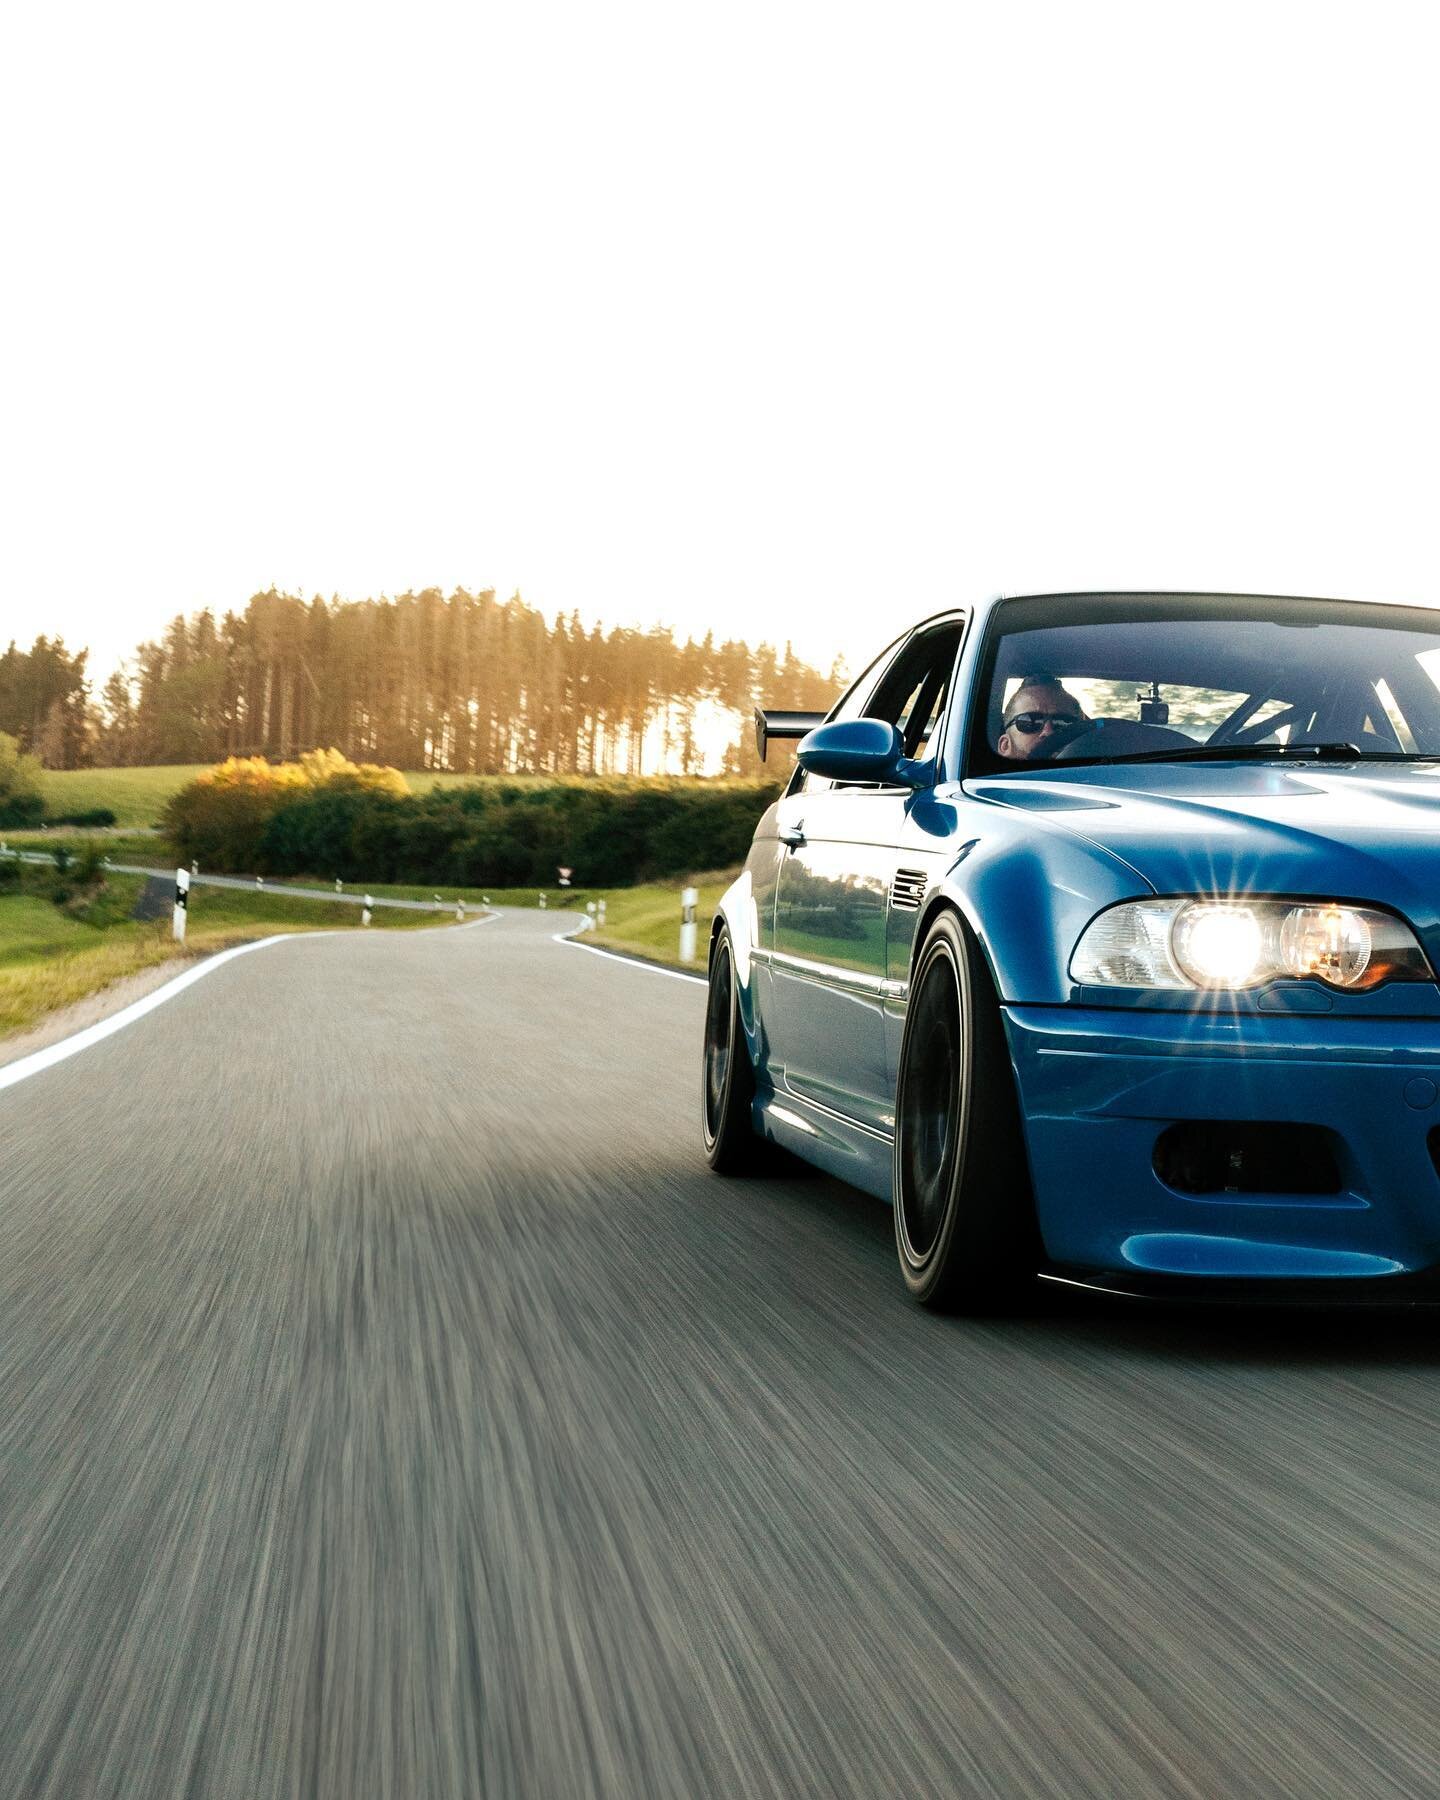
x: 462, y: 682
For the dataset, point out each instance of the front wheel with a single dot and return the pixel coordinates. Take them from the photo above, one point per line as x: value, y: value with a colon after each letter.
x: 728, y: 1086
x: 964, y: 1215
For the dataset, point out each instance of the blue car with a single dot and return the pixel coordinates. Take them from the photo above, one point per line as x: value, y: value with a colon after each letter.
x: 1098, y: 933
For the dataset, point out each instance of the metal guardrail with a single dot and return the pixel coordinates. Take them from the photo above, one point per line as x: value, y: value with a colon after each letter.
x: 257, y: 884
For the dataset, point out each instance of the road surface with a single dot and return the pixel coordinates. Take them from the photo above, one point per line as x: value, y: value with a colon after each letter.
x: 390, y: 1404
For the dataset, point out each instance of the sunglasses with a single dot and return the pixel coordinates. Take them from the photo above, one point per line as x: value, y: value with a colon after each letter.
x: 1032, y: 722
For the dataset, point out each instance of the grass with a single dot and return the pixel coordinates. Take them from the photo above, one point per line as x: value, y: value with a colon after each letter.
x: 135, y: 796
x: 51, y: 956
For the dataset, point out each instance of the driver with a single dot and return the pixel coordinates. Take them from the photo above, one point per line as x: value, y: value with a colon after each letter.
x: 1043, y: 716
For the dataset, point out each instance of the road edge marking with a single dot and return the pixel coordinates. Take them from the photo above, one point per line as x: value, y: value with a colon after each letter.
x: 618, y: 956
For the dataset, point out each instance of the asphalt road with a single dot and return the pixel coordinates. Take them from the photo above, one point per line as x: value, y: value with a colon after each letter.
x: 390, y: 1404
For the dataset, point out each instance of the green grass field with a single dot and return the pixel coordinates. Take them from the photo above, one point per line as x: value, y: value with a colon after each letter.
x: 137, y: 796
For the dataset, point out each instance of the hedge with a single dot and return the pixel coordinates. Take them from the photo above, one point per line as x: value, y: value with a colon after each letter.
x: 496, y: 832
x: 514, y: 836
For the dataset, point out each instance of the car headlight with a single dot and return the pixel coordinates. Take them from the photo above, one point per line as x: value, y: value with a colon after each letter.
x: 1226, y: 944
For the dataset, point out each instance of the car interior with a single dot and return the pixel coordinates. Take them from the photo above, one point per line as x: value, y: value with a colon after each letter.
x: 1209, y: 682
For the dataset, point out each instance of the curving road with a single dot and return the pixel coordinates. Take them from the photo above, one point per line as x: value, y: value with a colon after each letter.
x: 390, y: 1404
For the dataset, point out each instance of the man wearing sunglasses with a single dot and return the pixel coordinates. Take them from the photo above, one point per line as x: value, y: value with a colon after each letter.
x: 1041, y: 718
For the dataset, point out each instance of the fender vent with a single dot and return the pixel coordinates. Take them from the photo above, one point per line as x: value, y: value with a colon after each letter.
x: 907, y: 890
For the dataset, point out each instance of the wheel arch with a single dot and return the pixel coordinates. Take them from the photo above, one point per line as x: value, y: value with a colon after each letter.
x: 1026, y: 897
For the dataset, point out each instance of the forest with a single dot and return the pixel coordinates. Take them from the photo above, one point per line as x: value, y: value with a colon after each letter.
x: 463, y: 682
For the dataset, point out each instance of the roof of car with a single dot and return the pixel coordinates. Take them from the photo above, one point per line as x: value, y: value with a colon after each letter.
x: 1204, y: 594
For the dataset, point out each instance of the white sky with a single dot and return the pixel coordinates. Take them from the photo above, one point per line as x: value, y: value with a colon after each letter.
x: 789, y: 321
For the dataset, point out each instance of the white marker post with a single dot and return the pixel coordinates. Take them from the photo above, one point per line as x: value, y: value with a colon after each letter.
x: 339, y: 885
x: 459, y: 911
x: 259, y: 881
x: 600, y: 913
x: 182, y: 905
x: 542, y: 903
x: 689, y: 900
x: 589, y: 915
x: 365, y: 910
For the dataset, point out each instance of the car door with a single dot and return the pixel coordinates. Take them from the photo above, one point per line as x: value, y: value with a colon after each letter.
x: 833, y: 897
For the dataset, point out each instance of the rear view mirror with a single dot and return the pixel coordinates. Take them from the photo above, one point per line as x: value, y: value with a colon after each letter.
x: 857, y: 750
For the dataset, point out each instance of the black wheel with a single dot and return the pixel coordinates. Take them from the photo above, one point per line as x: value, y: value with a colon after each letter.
x: 728, y: 1084
x: 964, y: 1213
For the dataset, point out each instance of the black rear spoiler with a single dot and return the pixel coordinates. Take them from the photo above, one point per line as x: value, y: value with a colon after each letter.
x: 770, y: 724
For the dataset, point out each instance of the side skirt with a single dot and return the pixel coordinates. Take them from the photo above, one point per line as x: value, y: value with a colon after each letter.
x: 851, y: 1152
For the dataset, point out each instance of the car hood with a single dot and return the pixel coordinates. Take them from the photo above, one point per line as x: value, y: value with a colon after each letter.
x: 1362, y: 831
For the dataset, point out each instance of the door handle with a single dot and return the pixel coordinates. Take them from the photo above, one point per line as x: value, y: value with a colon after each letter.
x: 792, y: 836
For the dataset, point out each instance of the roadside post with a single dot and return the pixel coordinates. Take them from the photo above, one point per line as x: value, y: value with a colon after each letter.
x: 339, y: 885
x: 600, y: 913
x: 459, y: 910
x: 542, y: 903
x: 195, y: 866
x: 182, y: 905
x: 438, y: 903
x: 259, y: 881
x: 590, y: 914
x: 365, y: 910
x: 689, y: 900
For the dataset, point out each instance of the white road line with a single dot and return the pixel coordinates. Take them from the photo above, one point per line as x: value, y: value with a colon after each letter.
x: 25, y: 1066
x: 619, y: 956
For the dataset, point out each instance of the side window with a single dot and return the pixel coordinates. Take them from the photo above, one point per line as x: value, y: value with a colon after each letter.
x: 911, y: 694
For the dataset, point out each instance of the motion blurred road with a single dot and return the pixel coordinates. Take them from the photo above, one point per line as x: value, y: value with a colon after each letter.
x: 391, y: 1404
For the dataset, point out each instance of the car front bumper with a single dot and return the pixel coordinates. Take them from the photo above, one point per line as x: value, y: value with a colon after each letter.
x: 1098, y: 1087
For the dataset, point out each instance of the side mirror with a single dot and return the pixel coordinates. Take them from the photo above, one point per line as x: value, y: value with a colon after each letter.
x: 858, y: 750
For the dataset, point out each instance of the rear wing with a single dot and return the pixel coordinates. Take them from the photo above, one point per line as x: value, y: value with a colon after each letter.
x: 772, y: 724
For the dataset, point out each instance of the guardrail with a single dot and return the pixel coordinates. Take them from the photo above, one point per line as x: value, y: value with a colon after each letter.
x: 257, y: 884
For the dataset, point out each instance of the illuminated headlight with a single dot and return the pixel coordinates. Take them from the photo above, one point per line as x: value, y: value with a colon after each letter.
x: 1226, y: 944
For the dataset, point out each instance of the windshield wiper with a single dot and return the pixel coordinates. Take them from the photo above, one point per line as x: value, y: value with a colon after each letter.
x: 1254, y: 753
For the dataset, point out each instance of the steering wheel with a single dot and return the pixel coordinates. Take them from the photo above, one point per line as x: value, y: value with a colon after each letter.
x: 1119, y: 737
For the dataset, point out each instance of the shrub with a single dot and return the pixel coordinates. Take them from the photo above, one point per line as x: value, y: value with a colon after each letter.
x: 21, y: 800
x: 221, y: 817
x: 80, y: 875
x: 97, y: 817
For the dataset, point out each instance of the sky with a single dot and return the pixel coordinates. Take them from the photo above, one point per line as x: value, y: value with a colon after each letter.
x: 790, y: 322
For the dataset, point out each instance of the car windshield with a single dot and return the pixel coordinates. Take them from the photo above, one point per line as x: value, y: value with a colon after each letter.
x: 1125, y: 677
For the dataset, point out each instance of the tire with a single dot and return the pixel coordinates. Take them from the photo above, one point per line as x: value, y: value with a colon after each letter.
x: 727, y: 1081
x: 965, y: 1228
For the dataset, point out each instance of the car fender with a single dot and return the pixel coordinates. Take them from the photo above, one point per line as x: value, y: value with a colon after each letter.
x: 1027, y: 891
